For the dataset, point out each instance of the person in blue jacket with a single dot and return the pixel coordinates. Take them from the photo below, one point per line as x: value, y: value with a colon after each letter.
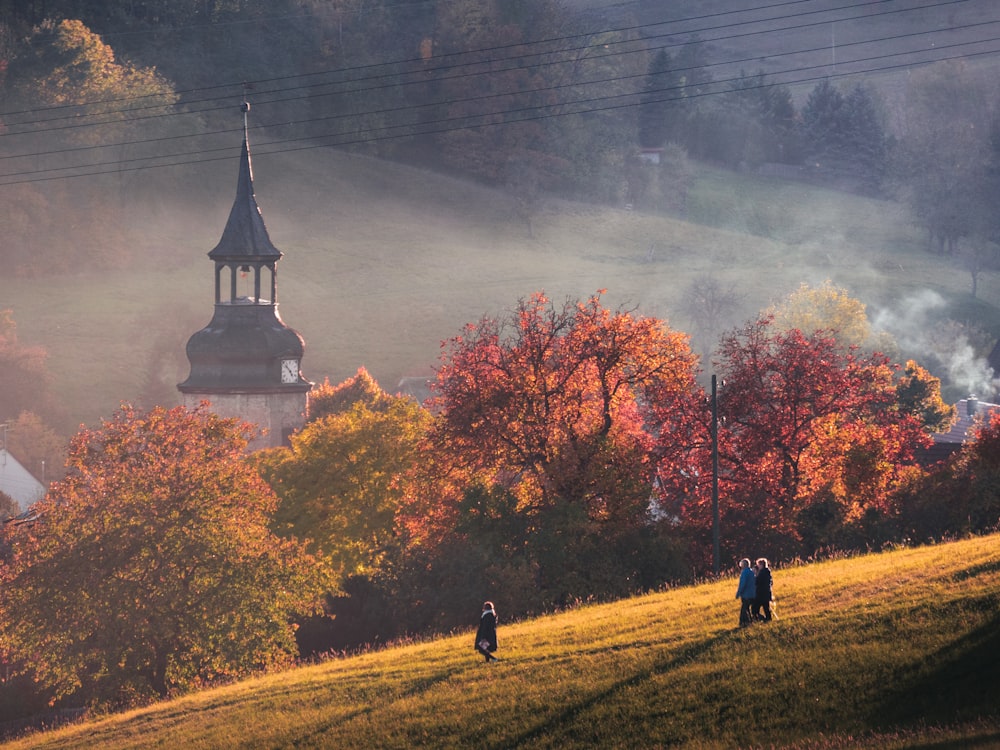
x: 746, y: 592
x: 486, y: 633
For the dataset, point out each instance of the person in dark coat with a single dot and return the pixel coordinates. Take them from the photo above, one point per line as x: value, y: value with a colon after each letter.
x: 486, y: 634
x: 746, y: 592
x: 763, y: 595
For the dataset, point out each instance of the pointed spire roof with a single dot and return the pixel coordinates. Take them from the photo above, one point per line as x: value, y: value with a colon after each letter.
x: 245, y: 236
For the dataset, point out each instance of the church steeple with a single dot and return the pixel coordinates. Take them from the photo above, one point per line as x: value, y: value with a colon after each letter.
x: 246, y: 361
x: 245, y: 236
x: 245, y: 245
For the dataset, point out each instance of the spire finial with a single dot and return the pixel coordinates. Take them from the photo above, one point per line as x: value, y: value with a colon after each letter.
x: 245, y: 108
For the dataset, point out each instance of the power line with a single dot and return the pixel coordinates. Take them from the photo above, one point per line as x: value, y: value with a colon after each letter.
x: 435, y: 131
x: 492, y: 61
x: 523, y: 113
x: 484, y: 97
x: 417, y: 60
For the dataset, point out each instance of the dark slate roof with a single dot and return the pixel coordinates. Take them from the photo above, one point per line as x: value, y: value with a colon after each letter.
x: 245, y: 236
x: 241, y: 350
x: 971, y: 412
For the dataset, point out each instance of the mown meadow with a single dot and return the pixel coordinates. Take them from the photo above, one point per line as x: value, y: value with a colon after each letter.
x: 898, y: 649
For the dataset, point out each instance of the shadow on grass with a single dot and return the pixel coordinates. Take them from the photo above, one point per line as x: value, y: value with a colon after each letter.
x: 419, y: 685
x: 569, y: 714
x: 958, y: 683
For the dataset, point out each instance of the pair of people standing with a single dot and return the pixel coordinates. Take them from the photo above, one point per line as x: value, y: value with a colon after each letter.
x: 754, y: 591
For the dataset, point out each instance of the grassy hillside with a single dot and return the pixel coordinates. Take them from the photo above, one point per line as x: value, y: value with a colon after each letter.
x: 891, y: 650
x: 383, y: 262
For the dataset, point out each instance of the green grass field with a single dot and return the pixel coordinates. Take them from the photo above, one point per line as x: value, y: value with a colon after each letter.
x: 893, y: 650
x: 383, y: 262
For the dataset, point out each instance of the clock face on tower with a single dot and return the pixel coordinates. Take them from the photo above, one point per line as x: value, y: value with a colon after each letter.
x: 289, y: 371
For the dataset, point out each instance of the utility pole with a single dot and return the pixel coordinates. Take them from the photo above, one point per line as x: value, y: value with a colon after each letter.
x: 715, y: 477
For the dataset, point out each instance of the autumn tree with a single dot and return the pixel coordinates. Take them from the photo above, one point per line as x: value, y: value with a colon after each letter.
x: 151, y: 568
x: 550, y: 405
x: 833, y: 311
x: 961, y: 496
x: 339, y: 485
x: 825, y: 308
x: 338, y: 482
x: 8, y: 506
x: 327, y: 399
x: 804, y: 419
x: 65, y: 65
x: 919, y: 394
x: 38, y: 447
x: 65, y: 78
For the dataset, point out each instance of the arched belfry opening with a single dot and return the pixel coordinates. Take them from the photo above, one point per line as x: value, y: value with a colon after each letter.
x: 246, y: 362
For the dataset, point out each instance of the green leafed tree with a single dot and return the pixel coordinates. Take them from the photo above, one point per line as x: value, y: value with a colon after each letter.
x: 151, y: 568
x: 656, y: 124
x: 824, y: 124
x: 339, y: 480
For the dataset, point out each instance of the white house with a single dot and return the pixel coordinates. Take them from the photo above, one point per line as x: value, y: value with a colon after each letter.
x: 18, y: 482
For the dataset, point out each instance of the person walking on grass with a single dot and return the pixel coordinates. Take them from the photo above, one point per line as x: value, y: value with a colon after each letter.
x: 763, y: 594
x: 486, y: 634
x: 746, y: 592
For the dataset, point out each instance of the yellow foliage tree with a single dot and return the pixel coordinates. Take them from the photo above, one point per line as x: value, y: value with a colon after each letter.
x: 824, y: 308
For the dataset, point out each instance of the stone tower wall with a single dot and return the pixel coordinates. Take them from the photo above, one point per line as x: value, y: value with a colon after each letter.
x: 276, y: 414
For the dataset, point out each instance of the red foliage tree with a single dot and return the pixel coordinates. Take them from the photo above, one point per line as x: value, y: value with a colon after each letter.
x: 549, y: 401
x: 553, y: 405
x: 802, y: 420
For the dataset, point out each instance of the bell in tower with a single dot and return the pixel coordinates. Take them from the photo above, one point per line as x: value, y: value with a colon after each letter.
x: 246, y: 361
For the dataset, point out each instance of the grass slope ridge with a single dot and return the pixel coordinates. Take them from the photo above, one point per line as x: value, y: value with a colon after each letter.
x: 898, y: 649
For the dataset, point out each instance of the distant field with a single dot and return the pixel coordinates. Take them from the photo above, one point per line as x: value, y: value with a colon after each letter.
x: 383, y: 262
x: 891, y: 650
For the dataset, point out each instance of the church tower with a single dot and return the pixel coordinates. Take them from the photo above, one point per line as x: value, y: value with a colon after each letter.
x: 246, y: 361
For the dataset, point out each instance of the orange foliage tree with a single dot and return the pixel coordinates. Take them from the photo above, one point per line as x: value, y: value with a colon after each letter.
x: 151, y: 568
x: 544, y: 416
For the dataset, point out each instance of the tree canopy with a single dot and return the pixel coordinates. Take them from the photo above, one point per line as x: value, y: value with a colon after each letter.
x: 151, y: 567
x: 543, y: 426
x: 804, y: 419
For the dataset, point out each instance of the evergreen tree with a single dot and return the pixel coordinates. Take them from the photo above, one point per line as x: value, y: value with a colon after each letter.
x: 823, y: 124
x: 655, y: 113
x: 865, y: 139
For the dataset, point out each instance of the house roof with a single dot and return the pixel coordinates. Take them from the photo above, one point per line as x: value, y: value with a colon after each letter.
x: 18, y: 482
x: 971, y: 412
